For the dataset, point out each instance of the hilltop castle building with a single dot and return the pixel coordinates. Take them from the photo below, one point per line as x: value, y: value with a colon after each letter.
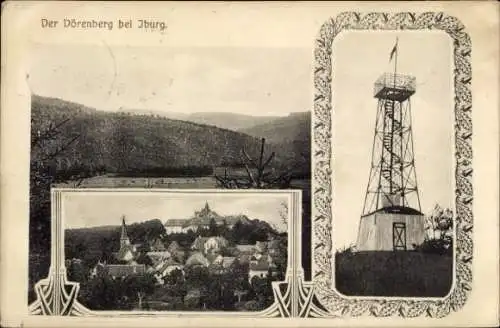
x: 201, y: 220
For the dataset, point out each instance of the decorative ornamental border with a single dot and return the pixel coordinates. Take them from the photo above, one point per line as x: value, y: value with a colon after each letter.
x: 56, y: 296
x: 335, y: 303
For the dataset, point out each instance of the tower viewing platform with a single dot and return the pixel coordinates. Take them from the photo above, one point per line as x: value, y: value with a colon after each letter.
x: 397, y: 87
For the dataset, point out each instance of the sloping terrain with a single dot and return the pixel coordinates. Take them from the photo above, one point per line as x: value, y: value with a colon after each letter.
x: 123, y: 142
x: 231, y: 121
x: 294, y: 127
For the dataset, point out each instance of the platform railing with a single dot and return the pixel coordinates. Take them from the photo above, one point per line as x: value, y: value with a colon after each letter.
x: 401, y: 82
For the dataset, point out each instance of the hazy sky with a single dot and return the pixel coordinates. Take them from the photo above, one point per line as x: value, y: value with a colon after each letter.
x: 359, y: 59
x: 96, y: 209
x: 258, y: 81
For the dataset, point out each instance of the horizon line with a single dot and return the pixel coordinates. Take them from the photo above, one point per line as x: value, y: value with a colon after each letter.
x: 123, y: 109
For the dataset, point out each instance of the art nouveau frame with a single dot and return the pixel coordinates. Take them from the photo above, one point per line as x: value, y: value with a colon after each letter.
x: 57, y: 296
x: 336, y: 304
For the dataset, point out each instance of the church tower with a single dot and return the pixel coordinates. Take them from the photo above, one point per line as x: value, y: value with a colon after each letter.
x: 206, y: 210
x: 124, y: 240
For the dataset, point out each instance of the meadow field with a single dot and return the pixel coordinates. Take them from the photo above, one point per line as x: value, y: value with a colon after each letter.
x: 407, y: 274
x: 202, y: 182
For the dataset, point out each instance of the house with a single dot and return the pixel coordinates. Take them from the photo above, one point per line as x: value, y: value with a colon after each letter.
x: 159, y: 254
x: 245, y: 249
x: 179, y: 256
x: 190, y: 227
x: 244, y: 258
x: 197, y: 259
x: 117, y: 270
x: 174, y: 247
x: 213, y: 258
x: 167, y: 267
x: 273, y: 244
x: 261, y: 246
x: 222, y: 264
x: 158, y: 257
x: 176, y: 251
x: 228, y: 261
x: 215, y: 244
x: 124, y: 270
x: 174, y: 226
x: 273, y: 247
x: 157, y: 246
x: 259, y: 266
x: 98, y: 270
x: 209, y: 244
x: 199, y: 243
x: 258, y: 269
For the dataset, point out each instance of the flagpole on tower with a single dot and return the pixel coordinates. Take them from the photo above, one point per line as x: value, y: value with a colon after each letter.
x: 395, y: 53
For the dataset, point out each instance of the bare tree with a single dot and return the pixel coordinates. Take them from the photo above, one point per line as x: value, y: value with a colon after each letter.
x: 260, y: 175
x: 49, y: 166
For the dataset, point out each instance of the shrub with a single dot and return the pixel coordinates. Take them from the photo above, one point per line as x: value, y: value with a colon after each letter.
x: 346, y: 250
x: 441, y: 246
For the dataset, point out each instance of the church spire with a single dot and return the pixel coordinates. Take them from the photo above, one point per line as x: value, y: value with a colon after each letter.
x: 124, y: 237
x: 205, y: 212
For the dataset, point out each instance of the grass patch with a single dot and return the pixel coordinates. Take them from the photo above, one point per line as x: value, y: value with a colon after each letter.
x: 378, y: 273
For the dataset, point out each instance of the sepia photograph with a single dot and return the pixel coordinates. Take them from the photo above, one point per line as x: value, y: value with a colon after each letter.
x: 165, y: 117
x: 175, y: 251
x: 248, y: 164
x: 394, y: 164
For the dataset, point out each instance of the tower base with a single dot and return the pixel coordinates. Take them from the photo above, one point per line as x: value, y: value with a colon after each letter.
x: 391, y: 229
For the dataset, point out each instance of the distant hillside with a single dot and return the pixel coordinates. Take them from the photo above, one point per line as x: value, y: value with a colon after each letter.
x: 294, y: 127
x: 104, y: 240
x: 124, y: 142
x: 151, y: 112
x: 38, y: 102
x: 230, y: 121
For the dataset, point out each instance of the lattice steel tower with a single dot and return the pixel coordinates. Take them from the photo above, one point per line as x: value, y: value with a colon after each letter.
x: 393, y: 180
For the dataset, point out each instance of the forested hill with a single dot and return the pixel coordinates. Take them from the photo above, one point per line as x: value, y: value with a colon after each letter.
x: 121, y: 142
x: 93, y: 241
x: 294, y: 127
x: 231, y: 121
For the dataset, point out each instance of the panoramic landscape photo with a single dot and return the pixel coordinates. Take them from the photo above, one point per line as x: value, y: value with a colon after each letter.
x: 162, y: 251
x: 393, y: 146
x: 166, y: 117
